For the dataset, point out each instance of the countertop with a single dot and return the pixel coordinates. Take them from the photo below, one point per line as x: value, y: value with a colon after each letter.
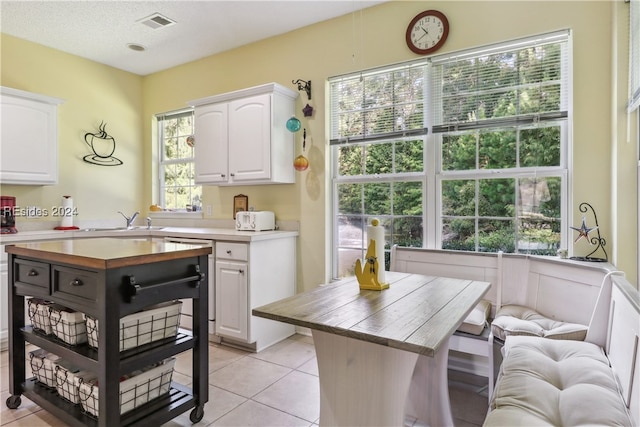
x: 107, y: 252
x: 228, y: 234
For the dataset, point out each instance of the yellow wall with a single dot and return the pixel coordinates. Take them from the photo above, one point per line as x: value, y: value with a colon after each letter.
x: 604, y: 163
x: 92, y: 93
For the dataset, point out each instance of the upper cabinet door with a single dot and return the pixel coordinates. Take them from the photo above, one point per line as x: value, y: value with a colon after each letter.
x: 241, y: 137
x: 211, y: 149
x: 29, y: 138
x: 250, y: 138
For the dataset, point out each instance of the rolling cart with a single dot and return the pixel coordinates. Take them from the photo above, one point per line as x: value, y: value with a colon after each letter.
x: 109, y: 279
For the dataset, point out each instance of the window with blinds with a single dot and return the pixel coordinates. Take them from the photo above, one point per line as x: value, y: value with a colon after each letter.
x: 378, y: 104
x: 461, y: 151
x: 509, y: 84
x: 500, y: 119
x: 178, y: 191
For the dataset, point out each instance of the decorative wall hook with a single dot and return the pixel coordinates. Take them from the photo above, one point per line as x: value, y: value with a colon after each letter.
x: 303, y: 85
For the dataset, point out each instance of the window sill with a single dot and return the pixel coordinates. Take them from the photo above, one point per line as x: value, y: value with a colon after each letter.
x: 175, y: 215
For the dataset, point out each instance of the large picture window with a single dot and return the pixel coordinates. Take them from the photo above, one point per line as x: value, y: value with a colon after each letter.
x: 465, y: 151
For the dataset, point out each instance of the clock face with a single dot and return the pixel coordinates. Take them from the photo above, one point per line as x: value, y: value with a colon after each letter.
x: 427, y: 32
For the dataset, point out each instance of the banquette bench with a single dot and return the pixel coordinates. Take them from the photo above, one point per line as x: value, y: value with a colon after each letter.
x: 532, y: 287
x: 570, y: 383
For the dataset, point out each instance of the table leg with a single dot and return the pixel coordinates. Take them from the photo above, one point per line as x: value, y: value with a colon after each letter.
x: 428, y: 399
x: 361, y: 383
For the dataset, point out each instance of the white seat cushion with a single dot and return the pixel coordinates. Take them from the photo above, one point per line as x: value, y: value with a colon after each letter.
x: 520, y: 320
x: 546, y: 382
x: 475, y: 322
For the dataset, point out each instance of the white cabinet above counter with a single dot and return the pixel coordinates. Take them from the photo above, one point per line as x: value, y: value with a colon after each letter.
x: 241, y: 137
x: 29, y: 137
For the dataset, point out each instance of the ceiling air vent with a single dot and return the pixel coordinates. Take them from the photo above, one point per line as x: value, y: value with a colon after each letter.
x: 157, y: 21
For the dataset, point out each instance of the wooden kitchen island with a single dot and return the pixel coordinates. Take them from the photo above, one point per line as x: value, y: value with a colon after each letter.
x: 107, y: 279
x: 382, y: 355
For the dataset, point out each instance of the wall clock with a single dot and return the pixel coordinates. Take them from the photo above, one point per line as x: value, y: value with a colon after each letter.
x: 427, y: 32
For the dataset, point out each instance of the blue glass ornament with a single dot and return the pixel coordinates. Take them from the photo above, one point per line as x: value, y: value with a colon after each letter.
x: 293, y: 124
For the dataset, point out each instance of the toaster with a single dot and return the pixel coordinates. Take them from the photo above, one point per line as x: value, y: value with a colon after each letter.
x: 255, y: 220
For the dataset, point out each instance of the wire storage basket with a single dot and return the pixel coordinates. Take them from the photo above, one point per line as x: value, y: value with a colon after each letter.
x: 39, y: 315
x: 68, y: 325
x: 68, y: 380
x: 136, y: 389
x: 153, y: 324
x: 43, y: 366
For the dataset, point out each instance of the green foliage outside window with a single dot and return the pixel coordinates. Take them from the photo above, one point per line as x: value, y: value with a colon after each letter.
x: 177, y: 187
x: 500, y: 177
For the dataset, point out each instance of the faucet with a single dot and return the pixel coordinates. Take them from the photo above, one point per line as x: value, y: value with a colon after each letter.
x: 130, y: 219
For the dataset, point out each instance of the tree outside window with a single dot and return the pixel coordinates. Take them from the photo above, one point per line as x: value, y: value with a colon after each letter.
x: 178, y: 191
x: 464, y: 152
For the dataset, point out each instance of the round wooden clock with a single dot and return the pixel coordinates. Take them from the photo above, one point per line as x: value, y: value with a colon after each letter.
x: 427, y: 32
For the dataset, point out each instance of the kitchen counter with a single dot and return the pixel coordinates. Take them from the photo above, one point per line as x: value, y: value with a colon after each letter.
x: 104, y: 253
x: 228, y: 234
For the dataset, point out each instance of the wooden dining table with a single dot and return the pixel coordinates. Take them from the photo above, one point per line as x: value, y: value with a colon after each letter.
x: 382, y: 355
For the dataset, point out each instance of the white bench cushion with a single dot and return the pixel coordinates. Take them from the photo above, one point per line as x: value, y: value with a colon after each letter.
x: 555, y: 383
x: 520, y: 320
x: 475, y: 322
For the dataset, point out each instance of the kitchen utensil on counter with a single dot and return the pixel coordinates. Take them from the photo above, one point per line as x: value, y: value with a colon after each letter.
x: 255, y: 220
x: 66, y: 212
x: 7, y: 214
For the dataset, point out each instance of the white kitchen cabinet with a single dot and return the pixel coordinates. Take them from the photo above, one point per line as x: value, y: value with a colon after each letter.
x: 233, y: 291
x: 29, y: 138
x: 250, y: 275
x: 242, y: 139
x: 212, y: 149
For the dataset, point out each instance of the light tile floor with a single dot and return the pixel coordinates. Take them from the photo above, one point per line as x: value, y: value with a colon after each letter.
x: 276, y: 387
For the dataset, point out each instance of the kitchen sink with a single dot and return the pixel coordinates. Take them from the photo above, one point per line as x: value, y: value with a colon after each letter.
x: 103, y: 229
x: 144, y: 227
x: 137, y: 228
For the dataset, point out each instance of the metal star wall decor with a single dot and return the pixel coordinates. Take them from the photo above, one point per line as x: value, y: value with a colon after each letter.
x: 583, y: 232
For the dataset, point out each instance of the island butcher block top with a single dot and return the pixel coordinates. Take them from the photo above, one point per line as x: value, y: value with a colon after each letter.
x: 106, y: 253
x: 416, y: 313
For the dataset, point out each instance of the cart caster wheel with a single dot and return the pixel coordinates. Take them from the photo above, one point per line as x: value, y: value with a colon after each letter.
x: 197, y: 414
x: 13, y: 402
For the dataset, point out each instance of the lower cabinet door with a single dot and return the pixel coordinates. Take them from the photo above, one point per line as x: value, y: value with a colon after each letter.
x: 232, y: 300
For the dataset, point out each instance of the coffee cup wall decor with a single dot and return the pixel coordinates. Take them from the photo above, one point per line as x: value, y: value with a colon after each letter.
x: 103, y: 146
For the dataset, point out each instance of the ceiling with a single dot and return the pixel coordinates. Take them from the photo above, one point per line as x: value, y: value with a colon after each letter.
x: 100, y: 30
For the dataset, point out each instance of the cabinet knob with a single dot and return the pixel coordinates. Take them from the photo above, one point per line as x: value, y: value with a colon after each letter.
x: 241, y: 271
x: 76, y: 282
x: 32, y: 273
x: 223, y: 175
x: 232, y: 174
x: 228, y: 251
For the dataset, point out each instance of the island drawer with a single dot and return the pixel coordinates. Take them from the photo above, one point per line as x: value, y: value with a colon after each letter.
x: 32, y: 275
x: 74, y: 282
x: 234, y: 251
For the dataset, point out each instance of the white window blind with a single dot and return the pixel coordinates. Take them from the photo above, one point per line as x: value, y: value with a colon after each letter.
x: 378, y: 104
x: 634, y: 55
x: 507, y: 84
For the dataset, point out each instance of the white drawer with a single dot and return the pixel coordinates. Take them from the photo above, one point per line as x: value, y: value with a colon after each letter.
x: 235, y: 251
